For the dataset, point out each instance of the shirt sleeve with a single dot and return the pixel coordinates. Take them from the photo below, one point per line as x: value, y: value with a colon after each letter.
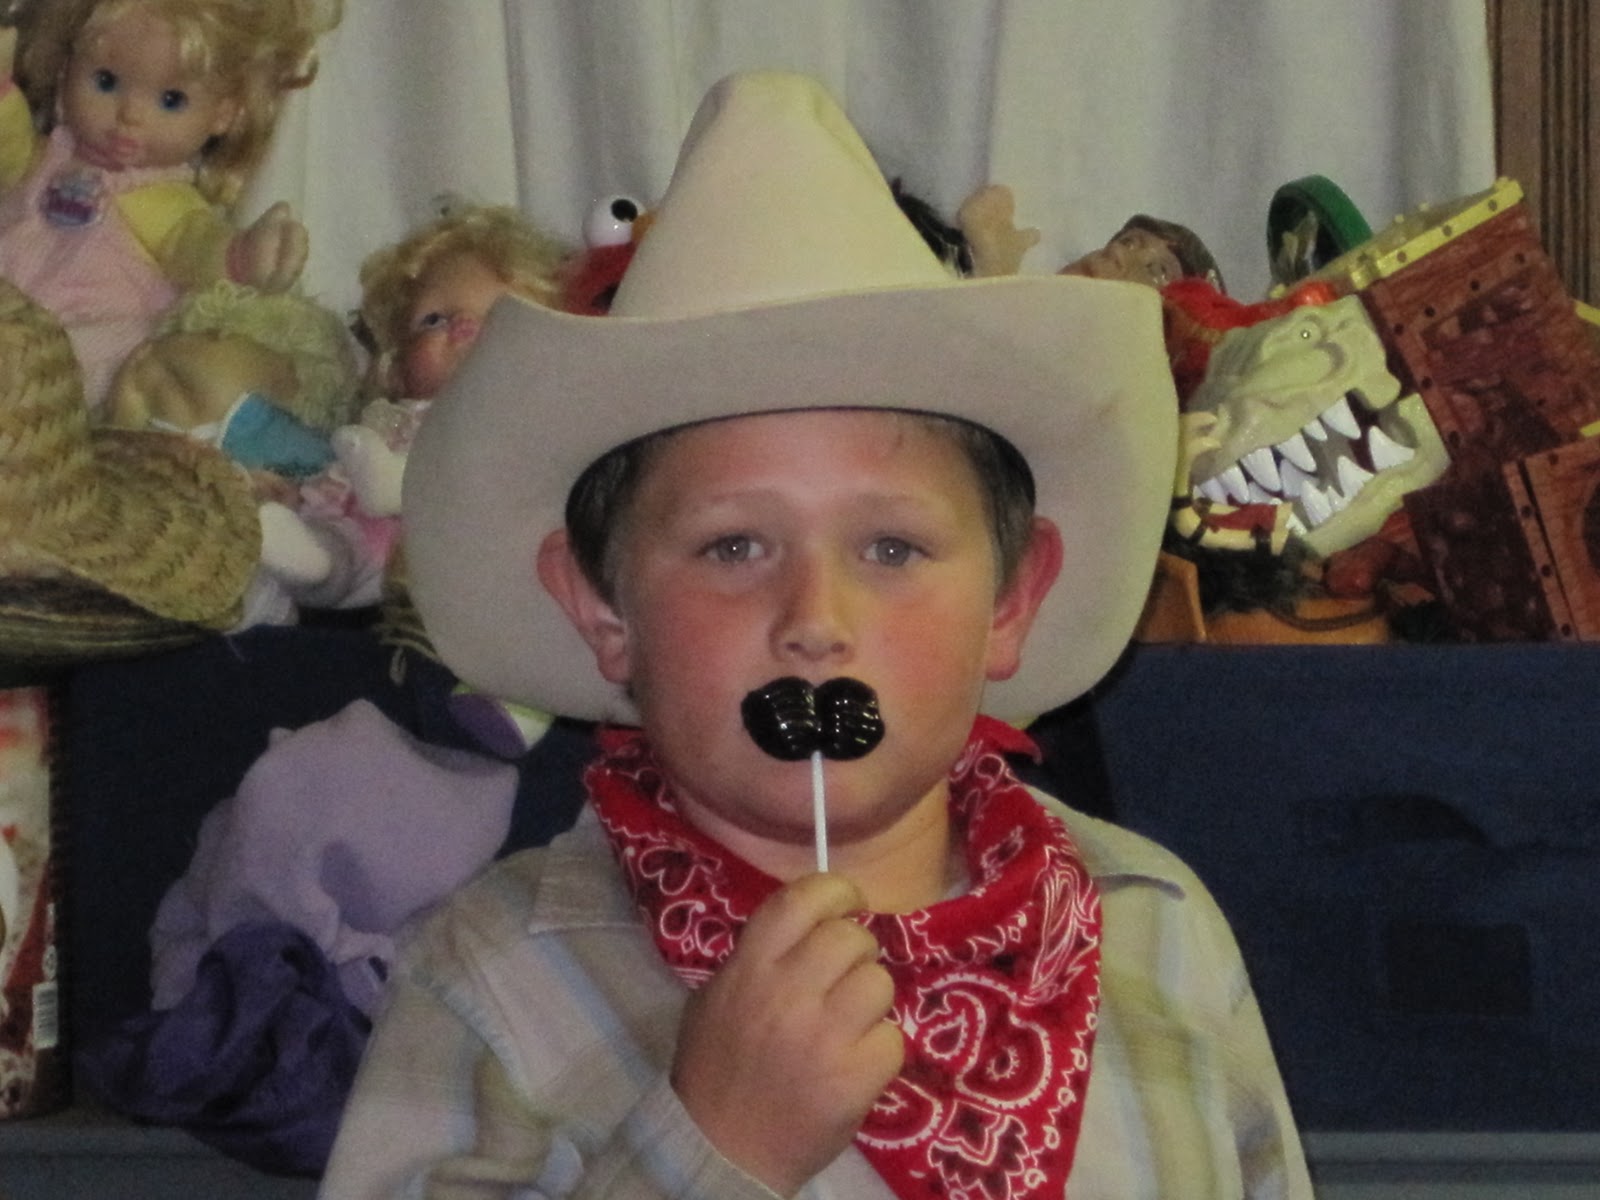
x: 180, y: 230
x: 1271, y: 1159
x: 436, y: 1113
x: 18, y: 142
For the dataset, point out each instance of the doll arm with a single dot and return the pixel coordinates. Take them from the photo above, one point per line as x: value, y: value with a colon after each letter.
x: 271, y: 253
x: 987, y: 219
x: 17, y: 140
x: 195, y: 245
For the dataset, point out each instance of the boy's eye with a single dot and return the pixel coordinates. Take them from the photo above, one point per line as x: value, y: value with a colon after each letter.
x: 174, y: 100
x: 734, y: 548
x: 891, y: 551
x: 104, y: 80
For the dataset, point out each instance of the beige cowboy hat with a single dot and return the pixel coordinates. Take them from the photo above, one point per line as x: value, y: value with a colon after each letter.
x: 780, y: 274
x: 109, y: 539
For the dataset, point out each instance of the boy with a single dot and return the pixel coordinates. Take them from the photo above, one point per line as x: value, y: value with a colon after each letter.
x: 987, y: 994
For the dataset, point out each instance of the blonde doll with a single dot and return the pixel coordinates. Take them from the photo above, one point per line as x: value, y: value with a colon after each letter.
x: 423, y: 301
x: 424, y: 298
x: 157, y: 110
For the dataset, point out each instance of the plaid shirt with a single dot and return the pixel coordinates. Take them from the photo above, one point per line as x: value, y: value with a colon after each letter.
x: 524, y: 1049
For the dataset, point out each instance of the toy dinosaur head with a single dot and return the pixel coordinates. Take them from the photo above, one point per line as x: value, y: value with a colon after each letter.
x: 1308, y: 415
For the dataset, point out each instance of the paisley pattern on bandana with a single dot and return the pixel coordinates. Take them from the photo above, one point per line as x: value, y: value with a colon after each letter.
x: 996, y: 991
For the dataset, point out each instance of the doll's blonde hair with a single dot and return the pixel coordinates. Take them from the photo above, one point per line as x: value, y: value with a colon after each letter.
x: 498, y: 236
x: 255, y: 51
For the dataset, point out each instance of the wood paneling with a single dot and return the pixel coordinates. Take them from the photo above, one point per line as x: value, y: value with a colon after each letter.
x: 1546, y: 58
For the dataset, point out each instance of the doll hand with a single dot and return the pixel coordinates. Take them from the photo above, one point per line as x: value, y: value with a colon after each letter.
x: 987, y: 219
x: 782, y: 1054
x: 289, y: 550
x: 375, y: 471
x: 270, y: 254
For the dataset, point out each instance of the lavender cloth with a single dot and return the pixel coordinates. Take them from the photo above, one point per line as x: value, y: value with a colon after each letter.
x: 255, y: 1060
x: 342, y: 829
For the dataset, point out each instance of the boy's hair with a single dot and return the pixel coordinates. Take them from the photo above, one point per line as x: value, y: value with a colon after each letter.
x: 254, y: 52
x: 599, y: 501
x: 499, y: 236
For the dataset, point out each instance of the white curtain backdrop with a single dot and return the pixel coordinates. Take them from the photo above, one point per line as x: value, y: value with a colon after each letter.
x: 1091, y: 110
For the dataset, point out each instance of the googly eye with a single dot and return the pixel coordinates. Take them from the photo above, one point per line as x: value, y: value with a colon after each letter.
x: 610, y: 221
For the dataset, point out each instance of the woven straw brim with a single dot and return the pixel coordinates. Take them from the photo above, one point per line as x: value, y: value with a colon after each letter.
x: 161, y: 521
x: 61, y: 623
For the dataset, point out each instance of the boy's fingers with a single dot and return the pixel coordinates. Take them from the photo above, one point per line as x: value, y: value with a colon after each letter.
x: 829, y: 950
x: 862, y: 998
x: 786, y: 917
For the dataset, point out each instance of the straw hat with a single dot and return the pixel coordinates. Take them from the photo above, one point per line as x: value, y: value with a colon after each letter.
x: 107, y: 537
x: 780, y: 274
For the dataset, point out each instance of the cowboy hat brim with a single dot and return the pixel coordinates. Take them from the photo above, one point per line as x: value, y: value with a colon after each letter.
x: 1070, y: 371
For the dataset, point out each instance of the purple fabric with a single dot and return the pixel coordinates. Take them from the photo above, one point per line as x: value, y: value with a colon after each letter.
x: 342, y: 829
x: 256, y: 1059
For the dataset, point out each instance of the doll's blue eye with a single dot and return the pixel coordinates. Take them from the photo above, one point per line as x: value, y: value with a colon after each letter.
x: 104, y: 80
x: 433, y: 320
x: 174, y: 100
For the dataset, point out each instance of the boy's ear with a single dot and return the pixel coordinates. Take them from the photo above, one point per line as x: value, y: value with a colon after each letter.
x: 1016, y: 607
x: 595, y: 620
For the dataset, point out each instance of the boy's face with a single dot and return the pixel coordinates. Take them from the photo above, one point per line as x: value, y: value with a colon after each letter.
x: 815, y: 544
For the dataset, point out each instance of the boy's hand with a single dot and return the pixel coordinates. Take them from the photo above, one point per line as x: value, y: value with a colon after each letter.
x: 781, y: 1055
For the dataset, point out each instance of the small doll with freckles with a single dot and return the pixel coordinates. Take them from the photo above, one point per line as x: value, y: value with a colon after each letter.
x: 154, y: 114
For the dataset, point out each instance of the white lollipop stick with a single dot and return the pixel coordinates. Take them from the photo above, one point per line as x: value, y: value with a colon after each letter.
x: 819, y: 810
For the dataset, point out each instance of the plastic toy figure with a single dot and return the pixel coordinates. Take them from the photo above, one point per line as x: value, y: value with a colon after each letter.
x: 1151, y: 251
x: 162, y: 109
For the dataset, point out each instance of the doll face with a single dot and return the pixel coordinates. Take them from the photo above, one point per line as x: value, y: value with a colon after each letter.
x: 129, y: 101
x: 1136, y: 255
x: 453, y: 297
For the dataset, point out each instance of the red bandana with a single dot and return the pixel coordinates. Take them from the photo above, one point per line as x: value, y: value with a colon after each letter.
x: 996, y: 990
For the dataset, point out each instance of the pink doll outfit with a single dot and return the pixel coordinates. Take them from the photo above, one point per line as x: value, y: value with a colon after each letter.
x: 65, y: 242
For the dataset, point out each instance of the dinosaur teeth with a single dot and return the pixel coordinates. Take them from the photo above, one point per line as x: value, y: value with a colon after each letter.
x: 1295, y: 450
x: 1340, y: 418
x: 1293, y: 478
x: 1313, y: 429
x: 1352, y: 479
x: 1314, y: 504
x: 1238, y: 488
x: 1213, y: 491
x: 1385, y: 451
x: 1262, y: 467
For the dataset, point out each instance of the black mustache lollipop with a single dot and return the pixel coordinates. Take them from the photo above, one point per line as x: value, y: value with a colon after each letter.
x: 791, y: 720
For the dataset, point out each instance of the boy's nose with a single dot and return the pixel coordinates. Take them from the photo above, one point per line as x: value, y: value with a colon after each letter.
x: 815, y: 622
